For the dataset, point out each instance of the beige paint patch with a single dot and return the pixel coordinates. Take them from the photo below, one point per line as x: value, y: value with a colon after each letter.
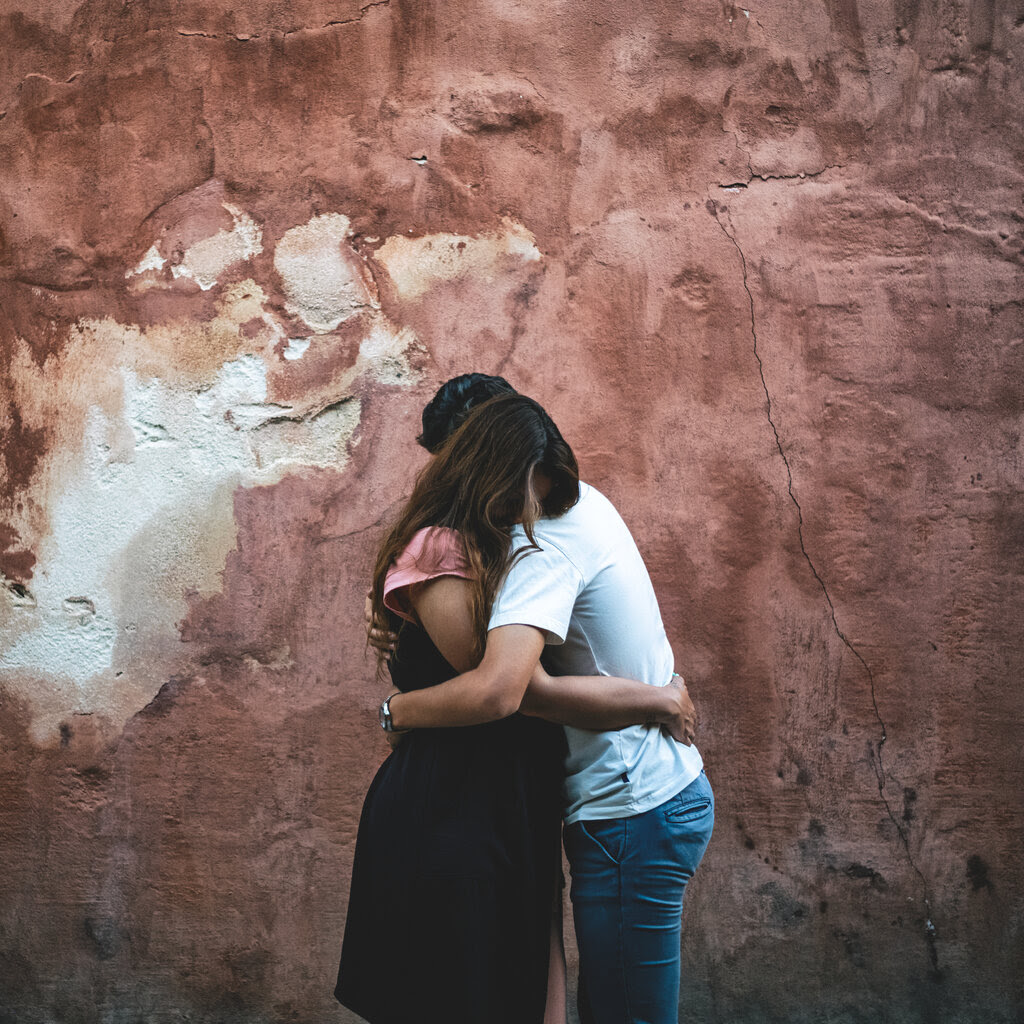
x: 165, y: 496
x: 385, y: 354
x: 140, y: 497
x: 324, y: 280
x: 415, y: 265
x: 205, y: 261
x: 193, y: 352
x: 59, y: 394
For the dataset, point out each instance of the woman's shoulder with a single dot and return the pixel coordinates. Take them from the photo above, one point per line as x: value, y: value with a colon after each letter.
x: 432, y: 547
x: 431, y: 552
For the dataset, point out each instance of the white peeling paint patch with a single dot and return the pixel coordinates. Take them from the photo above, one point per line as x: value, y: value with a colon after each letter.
x: 72, y: 649
x: 296, y: 348
x: 205, y: 261
x: 323, y: 439
x: 222, y: 431
x: 144, y: 517
x: 323, y: 287
x: 151, y: 261
x: 239, y: 396
x: 140, y: 495
x: 415, y: 265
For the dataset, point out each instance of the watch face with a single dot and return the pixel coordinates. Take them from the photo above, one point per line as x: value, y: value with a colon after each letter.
x: 383, y: 715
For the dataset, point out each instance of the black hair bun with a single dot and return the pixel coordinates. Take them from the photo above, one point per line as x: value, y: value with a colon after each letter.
x: 454, y: 400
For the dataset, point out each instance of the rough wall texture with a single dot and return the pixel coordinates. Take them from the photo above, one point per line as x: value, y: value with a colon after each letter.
x: 765, y: 269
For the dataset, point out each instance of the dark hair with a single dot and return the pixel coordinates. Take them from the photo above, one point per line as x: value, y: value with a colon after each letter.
x: 480, y: 484
x: 454, y: 401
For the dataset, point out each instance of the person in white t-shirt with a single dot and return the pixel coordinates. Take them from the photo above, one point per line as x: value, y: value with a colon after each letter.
x: 639, y: 810
x: 638, y: 807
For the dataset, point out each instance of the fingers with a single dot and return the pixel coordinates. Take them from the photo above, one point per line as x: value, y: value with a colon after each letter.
x: 684, y: 736
x: 382, y: 639
x: 683, y: 729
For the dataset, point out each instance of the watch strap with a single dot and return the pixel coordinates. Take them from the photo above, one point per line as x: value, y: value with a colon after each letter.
x: 386, y: 722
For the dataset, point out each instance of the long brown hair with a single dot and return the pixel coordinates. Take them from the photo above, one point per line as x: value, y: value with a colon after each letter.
x: 480, y: 483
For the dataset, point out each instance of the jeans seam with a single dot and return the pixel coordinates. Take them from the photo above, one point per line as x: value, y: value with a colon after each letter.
x: 622, y: 926
x: 601, y: 846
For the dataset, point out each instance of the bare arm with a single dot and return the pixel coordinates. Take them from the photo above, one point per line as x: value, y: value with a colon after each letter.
x: 610, y: 703
x: 482, y: 693
x: 497, y: 687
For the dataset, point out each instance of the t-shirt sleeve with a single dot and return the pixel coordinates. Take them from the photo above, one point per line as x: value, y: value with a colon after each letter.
x: 540, y: 590
x: 434, y: 551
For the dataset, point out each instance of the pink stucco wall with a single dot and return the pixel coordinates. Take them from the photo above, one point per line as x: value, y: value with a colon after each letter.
x: 763, y: 266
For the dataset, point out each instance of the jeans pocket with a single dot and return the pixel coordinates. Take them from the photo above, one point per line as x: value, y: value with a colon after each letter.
x: 690, y: 811
x: 692, y: 803
x: 608, y: 835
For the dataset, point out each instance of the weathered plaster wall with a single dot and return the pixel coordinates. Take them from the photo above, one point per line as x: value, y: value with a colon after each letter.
x: 764, y: 267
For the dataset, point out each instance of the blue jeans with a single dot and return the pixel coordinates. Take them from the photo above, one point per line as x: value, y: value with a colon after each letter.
x: 628, y: 878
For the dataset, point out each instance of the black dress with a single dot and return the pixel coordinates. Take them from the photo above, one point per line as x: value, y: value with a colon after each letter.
x: 456, y: 868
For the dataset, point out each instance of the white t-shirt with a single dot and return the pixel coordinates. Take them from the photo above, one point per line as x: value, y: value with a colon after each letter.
x: 589, y: 591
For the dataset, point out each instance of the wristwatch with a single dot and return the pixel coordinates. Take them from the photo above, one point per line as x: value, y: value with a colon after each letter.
x: 385, y: 715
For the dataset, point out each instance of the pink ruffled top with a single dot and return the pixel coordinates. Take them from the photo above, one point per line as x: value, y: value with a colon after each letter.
x: 433, y: 551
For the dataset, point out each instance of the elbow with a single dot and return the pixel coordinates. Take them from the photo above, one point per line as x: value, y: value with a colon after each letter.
x: 502, y: 703
x: 534, y: 702
x: 502, y: 699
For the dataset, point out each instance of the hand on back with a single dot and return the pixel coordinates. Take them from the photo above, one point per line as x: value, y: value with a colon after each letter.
x: 682, y: 723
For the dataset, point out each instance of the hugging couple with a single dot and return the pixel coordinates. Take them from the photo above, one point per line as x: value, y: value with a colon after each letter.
x: 533, y: 684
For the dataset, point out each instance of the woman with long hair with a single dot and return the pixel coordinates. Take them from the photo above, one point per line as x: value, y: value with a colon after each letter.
x: 456, y: 868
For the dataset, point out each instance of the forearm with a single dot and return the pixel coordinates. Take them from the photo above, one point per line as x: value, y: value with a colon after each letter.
x: 464, y: 700
x: 492, y: 690
x: 596, y: 702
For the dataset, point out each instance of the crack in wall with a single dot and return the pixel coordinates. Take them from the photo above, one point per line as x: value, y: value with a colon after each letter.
x: 534, y: 87
x: 798, y: 176
x: 199, y: 34
x: 18, y: 593
x: 877, y: 760
x: 346, y: 21
x: 753, y: 175
x: 387, y: 516
x: 287, y: 414
x: 746, y: 155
